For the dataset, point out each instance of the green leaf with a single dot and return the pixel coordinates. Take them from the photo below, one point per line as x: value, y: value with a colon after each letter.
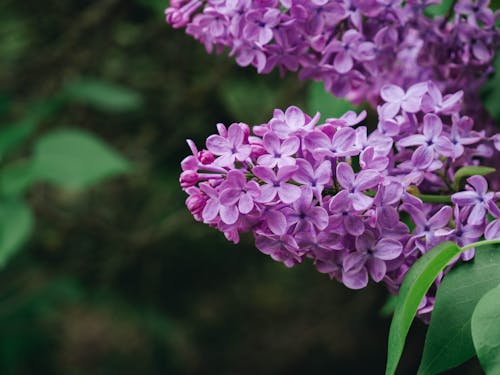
x: 321, y: 101
x: 389, y: 306
x: 470, y: 171
x: 440, y: 9
x: 75, y: 159
x: 103, y: 95
x: 40, y: 110
x: 485, y: 326
x: 415, y: 285
x: 490, y: 92
x: 13, y: 135
x: 16, y: 224
x: 251, y: 100
x: 16, y: 178
x: 449, y: 342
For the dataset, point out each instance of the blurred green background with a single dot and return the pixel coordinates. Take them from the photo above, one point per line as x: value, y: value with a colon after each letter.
x: 115, y: 277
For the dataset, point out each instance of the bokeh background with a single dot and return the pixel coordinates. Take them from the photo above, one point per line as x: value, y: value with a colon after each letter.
x: 118, y: 278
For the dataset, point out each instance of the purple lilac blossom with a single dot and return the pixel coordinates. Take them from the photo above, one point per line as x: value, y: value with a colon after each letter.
x: 354, y: 47
x: 295, y: 187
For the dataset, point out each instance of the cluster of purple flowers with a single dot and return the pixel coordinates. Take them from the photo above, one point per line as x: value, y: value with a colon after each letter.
x: 355, y: 203
x: 354, y: 46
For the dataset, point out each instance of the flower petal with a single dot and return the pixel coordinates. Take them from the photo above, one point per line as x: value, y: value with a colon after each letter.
x: 440, y: 218
x: 229, y: 197
x: 229, y: 214
x: 245, y: 204
x: 392, y: 93
x: 388, y: 249
x: 356, y: 280
x: 360, y: 201
x: 235, y: 135
x: 217, y: 144
x: 376, y: 268
x: 289, y: 193
x: 272, y: 142
x: 343, y: 62
x: 464, y: 198
x: 354, y: 224
x: 479, y: 183
x: 276, y: 222
x: 294, y: 118
x: 265, y: 174
x: 290, y: 146
x: 210, y: 210
x: 432, y: 125
x: 345, y: 175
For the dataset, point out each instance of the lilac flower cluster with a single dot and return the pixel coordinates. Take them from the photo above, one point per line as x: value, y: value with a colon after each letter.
x: 356, y: 204
x: 355, y: 47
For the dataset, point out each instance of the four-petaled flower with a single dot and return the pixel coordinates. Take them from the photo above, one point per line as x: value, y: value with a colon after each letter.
x: 276, y: 184
x: 355, y: 185
x: 397, y: 99
x: 432, y: 138
x: 317, y: 178
x: 370, y: 255
x: 477, y: 196
x: 238, y: 194
x: 304, y: 213
x: 349, y: 49
x: 278, y: 153
x: 341, y: 144
x: 230, y: 148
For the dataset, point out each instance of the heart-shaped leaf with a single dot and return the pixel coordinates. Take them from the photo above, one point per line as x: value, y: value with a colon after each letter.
x: 485, y: 326
x: 75, y: 159
x: 449, y: 342
x: 415, y: 285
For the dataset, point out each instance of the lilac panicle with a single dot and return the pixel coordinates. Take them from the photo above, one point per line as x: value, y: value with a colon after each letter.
x: 354, y: 47
x: 295, y: 185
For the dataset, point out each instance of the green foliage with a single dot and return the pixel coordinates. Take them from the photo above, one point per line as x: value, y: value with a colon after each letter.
x: 469, y: 171
x: 416, y: 284
x: 68, y: 158
x: 389, y: 306
x: 75, y: 159
x: 16, y: 177
x: 491, y: 92
x: 448, y: 342
x: 321, y: 101
x: 16, y: 224
x: 485, y: 326
x: 103, y: 95
x: 252, y: 101
x: 12, y: 136
x: 20, y: 315
x: 441, y: 9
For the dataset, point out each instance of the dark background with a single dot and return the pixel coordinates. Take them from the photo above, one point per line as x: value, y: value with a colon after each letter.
x: 119, y: 279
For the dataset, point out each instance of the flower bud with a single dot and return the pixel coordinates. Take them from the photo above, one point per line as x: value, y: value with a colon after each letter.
x: 206, y: 157
x: 189, y: 163
x: 195, y: 204
x: 188, y: 178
